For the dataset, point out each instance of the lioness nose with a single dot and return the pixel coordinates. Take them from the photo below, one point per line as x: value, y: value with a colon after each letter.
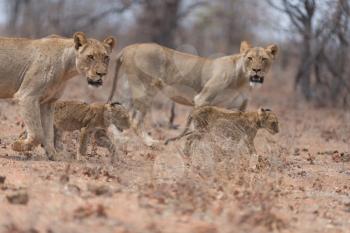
x: 101, y: 74
x: 256, y: 70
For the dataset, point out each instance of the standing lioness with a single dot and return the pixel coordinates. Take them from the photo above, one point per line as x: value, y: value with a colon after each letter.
x: 189, y: 79
x: 34, y: 72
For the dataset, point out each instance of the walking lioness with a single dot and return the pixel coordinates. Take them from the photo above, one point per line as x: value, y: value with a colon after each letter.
x: 191, y: 80
x: 34, y: 72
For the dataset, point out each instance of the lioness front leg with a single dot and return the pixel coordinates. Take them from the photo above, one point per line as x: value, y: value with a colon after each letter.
x: 211, y: 89
x: 30, y: 110
x: 47, y: 115
x: 244, y: 105
x: 141, y: 131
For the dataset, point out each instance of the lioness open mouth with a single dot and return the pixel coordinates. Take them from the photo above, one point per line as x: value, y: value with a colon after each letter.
x: 94, y: 83
x: 256, y: 79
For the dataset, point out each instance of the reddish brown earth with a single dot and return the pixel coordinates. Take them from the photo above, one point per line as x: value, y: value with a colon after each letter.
x: 301, y: 183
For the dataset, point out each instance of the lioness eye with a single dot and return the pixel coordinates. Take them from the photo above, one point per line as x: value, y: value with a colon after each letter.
x: 106, y: 59
x: 250, y: 58
x: 91, y: 57
x: 264, y: 59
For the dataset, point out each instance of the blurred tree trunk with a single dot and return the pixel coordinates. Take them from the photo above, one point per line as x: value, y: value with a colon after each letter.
x: 303, y: 77
x: 158, y: 21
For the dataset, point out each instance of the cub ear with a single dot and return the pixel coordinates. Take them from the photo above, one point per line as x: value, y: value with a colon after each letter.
x: 245, y: 46
x: 272, y: 50
x: 115, y: 103
x: 79, y: 39
x: 261, y: 111
x: 110, y: 42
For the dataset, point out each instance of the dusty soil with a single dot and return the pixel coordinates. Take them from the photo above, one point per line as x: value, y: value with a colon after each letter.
x: 300, y: 182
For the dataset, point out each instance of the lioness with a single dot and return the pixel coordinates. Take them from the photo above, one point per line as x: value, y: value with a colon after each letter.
x: 34, y: 72
x: 190, y: 80
x: 231, y: 124
x: 102, y: 120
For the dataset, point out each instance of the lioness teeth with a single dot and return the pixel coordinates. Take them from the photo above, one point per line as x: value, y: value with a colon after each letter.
x: 255, y: 84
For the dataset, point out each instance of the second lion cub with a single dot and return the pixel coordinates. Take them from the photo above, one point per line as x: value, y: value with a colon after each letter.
x: 101, y: 120
x: 231, y: 124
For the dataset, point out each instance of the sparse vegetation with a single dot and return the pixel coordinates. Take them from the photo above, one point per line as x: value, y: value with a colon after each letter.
x: 297, y: 182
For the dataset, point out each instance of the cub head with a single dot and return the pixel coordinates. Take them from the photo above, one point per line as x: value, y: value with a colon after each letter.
x: 118, y: 115
x: 92, y: 57
x: 268, y: 120
x: 257, y: 61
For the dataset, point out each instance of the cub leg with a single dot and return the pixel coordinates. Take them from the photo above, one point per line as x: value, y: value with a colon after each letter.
x: 58, y: 138
x: 83, y: 142
x: 192, y: 136
x: 103, y: 140
x: 251, y: 147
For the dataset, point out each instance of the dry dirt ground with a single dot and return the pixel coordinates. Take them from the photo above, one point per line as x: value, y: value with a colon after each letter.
x: 300, y: 182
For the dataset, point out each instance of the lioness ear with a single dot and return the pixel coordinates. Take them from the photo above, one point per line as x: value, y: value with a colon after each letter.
x: 245, y: 46
x: 110, y: 42
x: 272, y: 49
x: 79, y: 39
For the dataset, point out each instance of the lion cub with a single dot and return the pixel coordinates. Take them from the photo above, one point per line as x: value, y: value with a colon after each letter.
x: 231, y: 124
x: 102, y: 120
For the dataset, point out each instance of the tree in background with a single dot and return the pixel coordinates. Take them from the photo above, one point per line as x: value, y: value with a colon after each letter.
x: 321, y: 29
x: 38, y: 18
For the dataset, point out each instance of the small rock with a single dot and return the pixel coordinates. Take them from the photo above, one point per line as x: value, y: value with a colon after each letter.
x: 347, y: 205
x: 204, y: 228
x: 20, y: 198
x: 72, y: 189
x: 99, y: 190
x: 89, y: 211
x: 101, y: 211
x: 296, y: 152
x: 311, y: 159
x: 64, y: 179
x: 2, y: 179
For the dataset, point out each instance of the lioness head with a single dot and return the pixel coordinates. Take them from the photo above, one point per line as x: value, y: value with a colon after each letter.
x: 268, y: 120
x: 257, y: 61
x: 118, y: 115
x: 92, y: 57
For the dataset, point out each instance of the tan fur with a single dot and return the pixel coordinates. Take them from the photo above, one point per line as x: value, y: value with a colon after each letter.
x: 90, y: 119
x: 188, y: 79
x: 208, y: 119
x: 34, y: 72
